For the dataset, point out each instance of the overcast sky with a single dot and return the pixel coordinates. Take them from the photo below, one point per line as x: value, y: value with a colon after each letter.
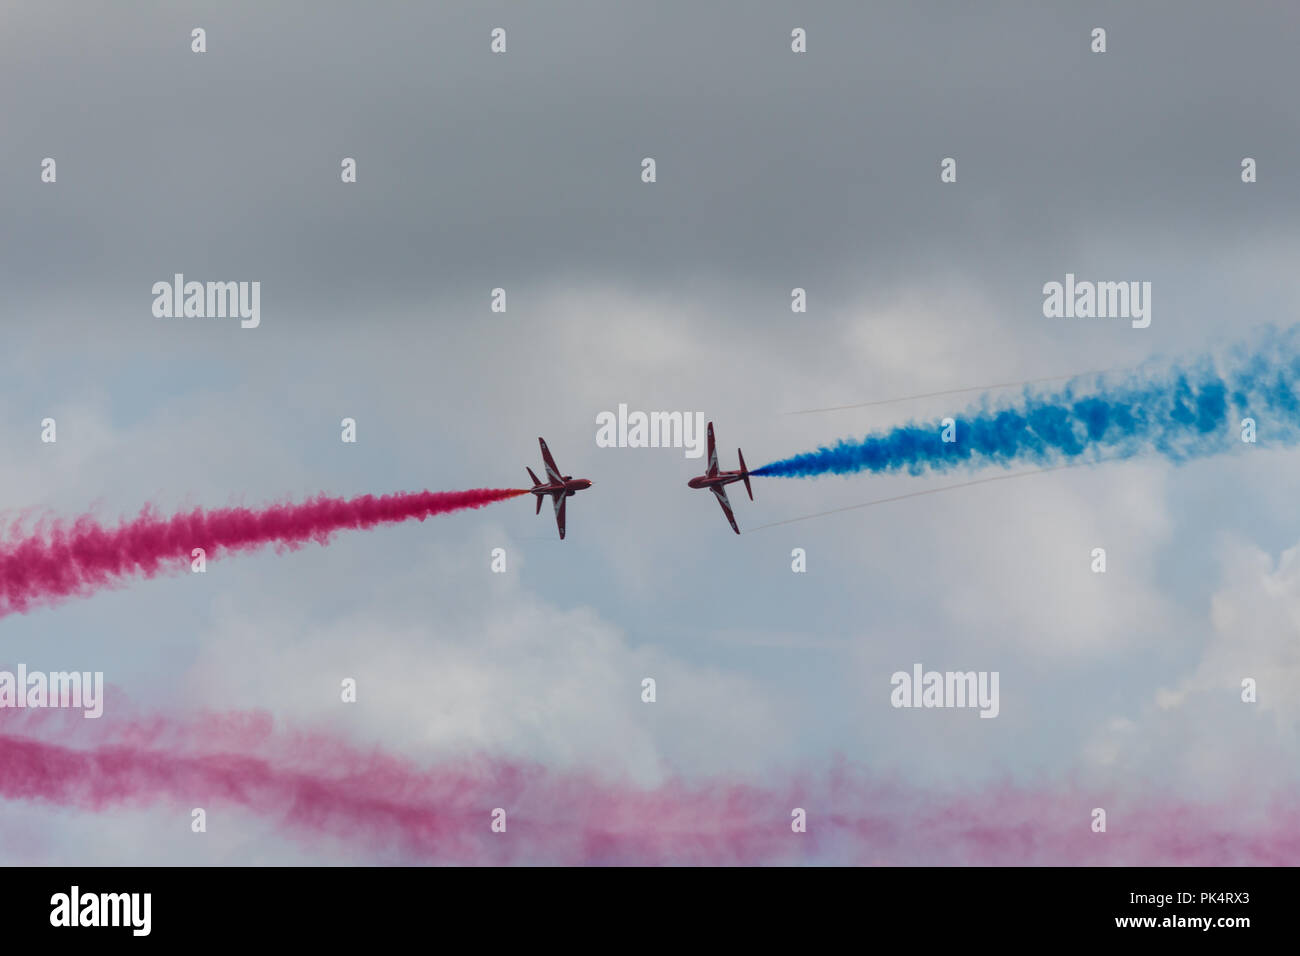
x: 775, y: 170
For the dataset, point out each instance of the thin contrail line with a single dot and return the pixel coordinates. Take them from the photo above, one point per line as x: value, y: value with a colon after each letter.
x: 931, y: 491
x: 958, y: 391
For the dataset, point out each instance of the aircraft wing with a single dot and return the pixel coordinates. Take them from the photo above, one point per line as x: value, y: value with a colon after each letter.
x: 726, y: 506
x: 713, y: 455
x: 559, y: 501
x: 552, y: 472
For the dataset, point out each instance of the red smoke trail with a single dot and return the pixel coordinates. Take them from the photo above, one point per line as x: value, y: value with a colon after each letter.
x: 391, y: 810
x: 74, y: 559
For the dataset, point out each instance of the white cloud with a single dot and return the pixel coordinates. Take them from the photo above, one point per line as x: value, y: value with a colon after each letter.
x: 451, y: 659
x: 1196, y: 728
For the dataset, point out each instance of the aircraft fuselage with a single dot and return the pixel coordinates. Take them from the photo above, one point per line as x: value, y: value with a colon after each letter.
x: 568, y: 487
x: 714, y: 481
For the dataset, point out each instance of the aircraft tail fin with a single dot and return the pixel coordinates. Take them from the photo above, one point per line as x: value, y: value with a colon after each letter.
x: 744, y: 474
x: 532, y: 476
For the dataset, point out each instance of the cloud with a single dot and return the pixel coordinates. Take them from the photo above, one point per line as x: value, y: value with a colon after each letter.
x: 450, y: 658
x: 1194, y: 726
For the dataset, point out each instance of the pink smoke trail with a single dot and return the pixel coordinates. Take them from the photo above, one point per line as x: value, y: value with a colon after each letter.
x: 64, y: 560
x: 391, y: 810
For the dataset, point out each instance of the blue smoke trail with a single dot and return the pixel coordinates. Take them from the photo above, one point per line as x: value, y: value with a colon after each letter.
x: 1179, y: 414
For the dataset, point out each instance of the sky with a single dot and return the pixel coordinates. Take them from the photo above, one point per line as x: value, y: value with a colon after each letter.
x: 774, y: 170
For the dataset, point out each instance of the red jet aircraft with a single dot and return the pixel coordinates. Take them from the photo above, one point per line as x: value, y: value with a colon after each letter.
x: 716, y: 480
x: 559, y: 487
